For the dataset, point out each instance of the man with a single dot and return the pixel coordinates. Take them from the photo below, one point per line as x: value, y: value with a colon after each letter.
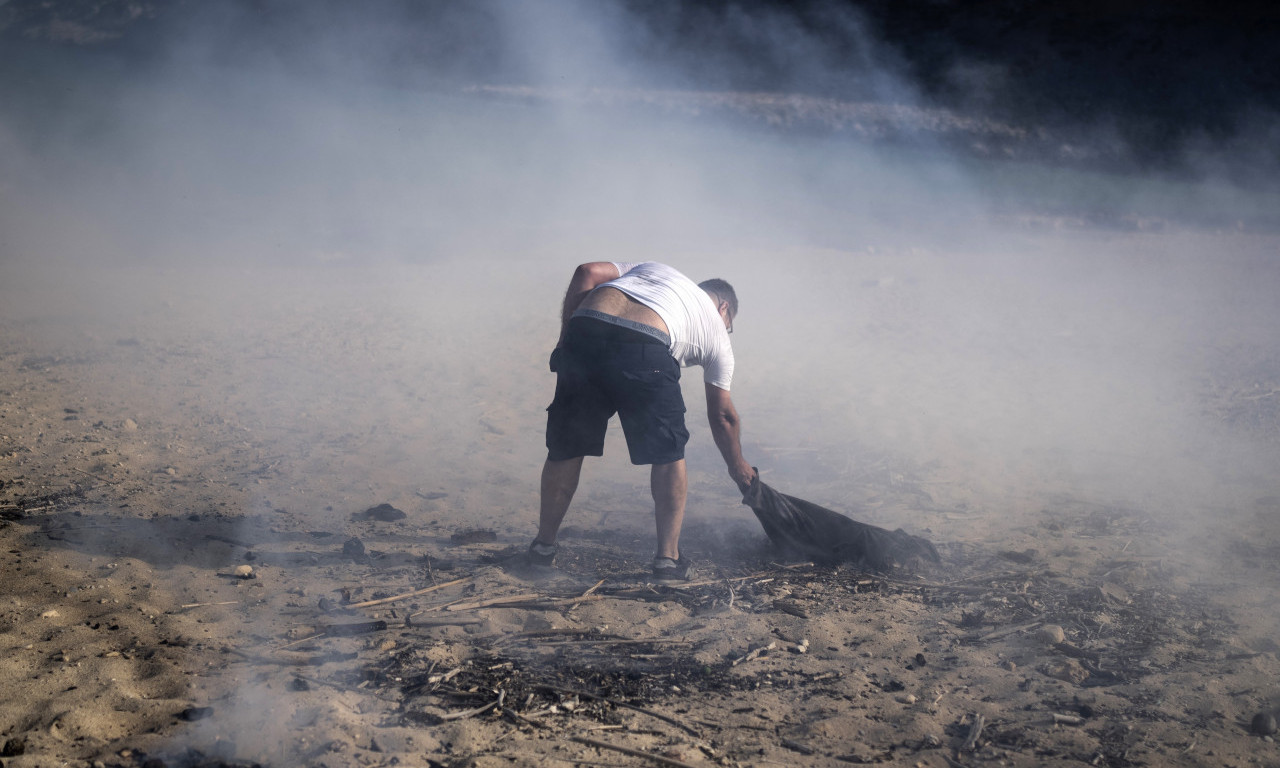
x: 626, y: 330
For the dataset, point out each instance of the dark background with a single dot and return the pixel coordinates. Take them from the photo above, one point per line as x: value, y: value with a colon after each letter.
x: 1158, y: 74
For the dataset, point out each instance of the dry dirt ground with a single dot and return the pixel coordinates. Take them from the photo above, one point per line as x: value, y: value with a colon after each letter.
x: 160, y: 429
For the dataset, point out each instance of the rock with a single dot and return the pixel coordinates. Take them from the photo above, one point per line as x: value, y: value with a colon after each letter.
x: 14, y: 747
x: 1069, y: 671
x: 1009, y: 666
x: 353, y: 548
x: 191, y: 714
x: 905, y: 698
x: 52, y: 613
x: 383, y: 513
x: 243, y: 572
x: 1263, y: 724
x: 478, y: 536
x: 1116, y: 593
x: 1051, y: 634
x: 130, y: 425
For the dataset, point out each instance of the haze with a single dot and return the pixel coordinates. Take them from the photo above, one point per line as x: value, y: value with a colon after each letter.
x: 990, y: 329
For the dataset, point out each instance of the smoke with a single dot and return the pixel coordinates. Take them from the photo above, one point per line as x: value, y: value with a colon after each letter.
x: 943, y: 295
x: 789, y: 151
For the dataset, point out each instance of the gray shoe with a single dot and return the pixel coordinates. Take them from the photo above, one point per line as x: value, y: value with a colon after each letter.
x: 541, y: 554
x: 667, y: 569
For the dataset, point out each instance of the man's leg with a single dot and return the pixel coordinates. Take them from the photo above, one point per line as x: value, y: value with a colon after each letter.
x: 559, y: 481
x: 669, y: 484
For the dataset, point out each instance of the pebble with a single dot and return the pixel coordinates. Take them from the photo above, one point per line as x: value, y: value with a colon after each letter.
x: 52, y: 613
x: 243, y: 572
x: 906, y: 699
x: 1264, y: 724
x: 130, y: 425
x: 1051, y: 634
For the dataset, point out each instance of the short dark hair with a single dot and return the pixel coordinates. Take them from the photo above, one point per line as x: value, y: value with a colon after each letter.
x: 723, y: 291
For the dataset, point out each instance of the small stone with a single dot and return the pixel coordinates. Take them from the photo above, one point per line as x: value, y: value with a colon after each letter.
x: 1009, y: 666
x: 906, y: 698
x: 130, y: 425
x: 191, y: 714
x: 243, y: 572
x: 1069, y: 671
x: 170, y: 471
x: 52, y: 613
x: 1051, y: 634
x: 1263, y: 724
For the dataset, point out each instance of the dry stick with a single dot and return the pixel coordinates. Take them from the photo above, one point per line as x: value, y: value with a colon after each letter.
x: 625, y: 705
x: 620, y: 641
x: 954, y: 763
x: 494, y: 601
x: 593, y: 588
x: 407, y: 595
x: 459, y: 622
x: 541, y: 633
x: 755, y: 654
x: 629, y: 751
x: 975, y: 732
x: 440, y: 607
x: 718, y: 581
x: 201, y: 605
x: 469, y: 712
x: 1009, y: 631
x: 300, y: 642
x: 97, y: 477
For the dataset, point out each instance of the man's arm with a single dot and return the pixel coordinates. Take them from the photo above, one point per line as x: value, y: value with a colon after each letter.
x: 726, y: 429
x: 585, y: 279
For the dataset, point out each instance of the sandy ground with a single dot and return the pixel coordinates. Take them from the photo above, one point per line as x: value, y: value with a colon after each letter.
x: 1107, y: 595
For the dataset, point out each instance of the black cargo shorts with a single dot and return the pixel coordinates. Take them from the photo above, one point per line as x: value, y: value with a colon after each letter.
x: 604, y: 368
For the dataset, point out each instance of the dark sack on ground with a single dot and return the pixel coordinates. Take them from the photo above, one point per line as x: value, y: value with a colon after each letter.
x: 803, y: 528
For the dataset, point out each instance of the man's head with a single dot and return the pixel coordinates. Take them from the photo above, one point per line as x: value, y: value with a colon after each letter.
x: 726, y: 300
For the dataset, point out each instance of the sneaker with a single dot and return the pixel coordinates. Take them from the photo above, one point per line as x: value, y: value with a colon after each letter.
x: 667, y: 569
x: 541, y: 554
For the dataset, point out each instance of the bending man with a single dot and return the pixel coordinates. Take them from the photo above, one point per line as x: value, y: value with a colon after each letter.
x: 626, y: 330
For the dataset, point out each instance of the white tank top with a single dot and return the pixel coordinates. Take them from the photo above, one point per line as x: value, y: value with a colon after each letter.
x: 698, y: 335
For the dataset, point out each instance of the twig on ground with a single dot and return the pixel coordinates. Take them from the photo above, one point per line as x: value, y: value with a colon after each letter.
x: 1059, y: 719
x: 458, y: 622
x: 975, y: 732
x: 1067, y: 649
x: 407, y: 595
x: 352, y: 630
x: 97, y: 477
x: 498, y: 601
x: 536, y: 634
x: 796, y: 746
x: 300, y: 641
x: 755, y: 654
x: 469, y: 712
x: 999, y: 633
x: 625, y: 705
x: 201, y: 605
x: 629, y: 751
x: 618, y: 641
x: 593, y: 588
